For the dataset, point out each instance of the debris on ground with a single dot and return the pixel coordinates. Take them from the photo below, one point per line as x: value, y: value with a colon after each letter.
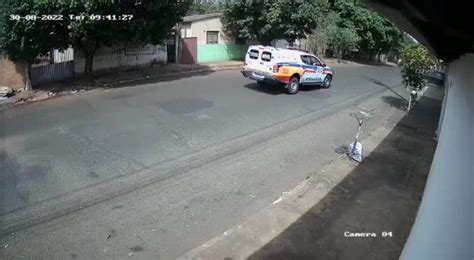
x: 343, y: 189
x: 110, y: 234
x: 5, y: 91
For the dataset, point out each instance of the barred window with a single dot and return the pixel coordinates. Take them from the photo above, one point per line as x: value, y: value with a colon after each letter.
x: 212, y: 37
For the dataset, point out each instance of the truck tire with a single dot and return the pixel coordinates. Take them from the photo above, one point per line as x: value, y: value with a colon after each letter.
x: 327, y: 81
x: 293, y: 85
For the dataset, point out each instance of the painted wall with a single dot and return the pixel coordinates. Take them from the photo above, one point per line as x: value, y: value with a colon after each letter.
x: 444, y: 226
x: 122, y: 56
x: 199, y: 29
x: 12, y: 74
x: 221, y: 52
x: 186, y: 31
x: 226, y: 49
x: 63, y: 56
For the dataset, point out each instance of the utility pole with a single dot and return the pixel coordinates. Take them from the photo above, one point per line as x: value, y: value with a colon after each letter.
x: 176, y: 45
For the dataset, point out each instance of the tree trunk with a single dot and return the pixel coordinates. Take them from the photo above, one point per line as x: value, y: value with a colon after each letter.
x: 339, y: 55
x: 88, y: 64
x: 177, y: 44
x: 371, y: 56
x: 28, y: 85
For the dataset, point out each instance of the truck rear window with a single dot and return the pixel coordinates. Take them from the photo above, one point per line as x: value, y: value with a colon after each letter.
x: 266, y: 56
x: 253, y: 54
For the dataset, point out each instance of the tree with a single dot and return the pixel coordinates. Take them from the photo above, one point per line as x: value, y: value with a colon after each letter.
x: 148, y: 25
x: 392, y: 40
x: 342, y: 40
x: 377, y: 35
x: 267, y: 20
x: 319, y: 40
x: 416, y: 60
x: 88, y: 35
x: 24, y: 40
x: 205, y: 8
x: 155, y: 19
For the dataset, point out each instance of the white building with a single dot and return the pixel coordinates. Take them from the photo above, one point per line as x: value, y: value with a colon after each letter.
x: 121, y: 56
x: 213, y: 43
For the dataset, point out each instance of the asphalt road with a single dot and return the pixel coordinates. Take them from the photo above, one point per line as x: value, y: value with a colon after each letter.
x: 99, y: 144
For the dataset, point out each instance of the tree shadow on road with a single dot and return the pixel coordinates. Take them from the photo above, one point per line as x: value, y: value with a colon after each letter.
x: 396, y: 102
x: 152, y: 80
x: 129, y: 77
x: 380, y: 83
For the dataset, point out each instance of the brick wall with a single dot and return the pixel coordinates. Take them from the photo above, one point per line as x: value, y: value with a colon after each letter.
x: 11, y: 74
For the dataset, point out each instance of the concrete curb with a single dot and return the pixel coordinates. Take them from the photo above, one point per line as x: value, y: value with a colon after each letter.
x: 34, y: 97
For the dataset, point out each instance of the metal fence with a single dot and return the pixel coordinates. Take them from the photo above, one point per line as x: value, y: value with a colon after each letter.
x: 51, y: 73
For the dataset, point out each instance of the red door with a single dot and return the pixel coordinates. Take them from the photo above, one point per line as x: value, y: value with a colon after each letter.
x: 189, y: 50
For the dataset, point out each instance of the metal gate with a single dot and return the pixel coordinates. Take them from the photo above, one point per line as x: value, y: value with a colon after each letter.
x: 170, y: 48
x: 189, y: 50
x: 51, y: 73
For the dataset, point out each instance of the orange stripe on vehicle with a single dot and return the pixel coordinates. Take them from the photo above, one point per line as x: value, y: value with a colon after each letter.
x: 283, y: 78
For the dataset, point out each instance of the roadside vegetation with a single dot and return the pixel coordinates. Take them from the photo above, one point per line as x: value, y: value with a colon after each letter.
x: 342, y: 29
x: 24, y: 40
x: 415, y: 61
x: 333, y: 28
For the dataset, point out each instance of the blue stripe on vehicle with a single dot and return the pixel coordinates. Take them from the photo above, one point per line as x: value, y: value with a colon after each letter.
x: 290, y: 64
x: 298, y: 65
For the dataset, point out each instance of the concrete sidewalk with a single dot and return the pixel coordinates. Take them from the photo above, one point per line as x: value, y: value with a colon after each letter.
x: 325, y: 215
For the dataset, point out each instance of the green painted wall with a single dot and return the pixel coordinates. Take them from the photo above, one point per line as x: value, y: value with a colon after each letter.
x: 221, y: 52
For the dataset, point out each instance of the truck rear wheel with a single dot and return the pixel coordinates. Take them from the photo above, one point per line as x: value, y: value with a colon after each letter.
x: 293, y: 85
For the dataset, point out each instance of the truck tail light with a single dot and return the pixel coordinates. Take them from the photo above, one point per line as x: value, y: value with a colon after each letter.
x: 276, y: 68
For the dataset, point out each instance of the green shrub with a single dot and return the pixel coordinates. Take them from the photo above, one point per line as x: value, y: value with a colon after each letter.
x: 416, y: 60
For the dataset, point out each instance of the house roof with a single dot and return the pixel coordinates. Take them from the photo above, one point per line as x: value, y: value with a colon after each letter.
x: 197, y: 17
